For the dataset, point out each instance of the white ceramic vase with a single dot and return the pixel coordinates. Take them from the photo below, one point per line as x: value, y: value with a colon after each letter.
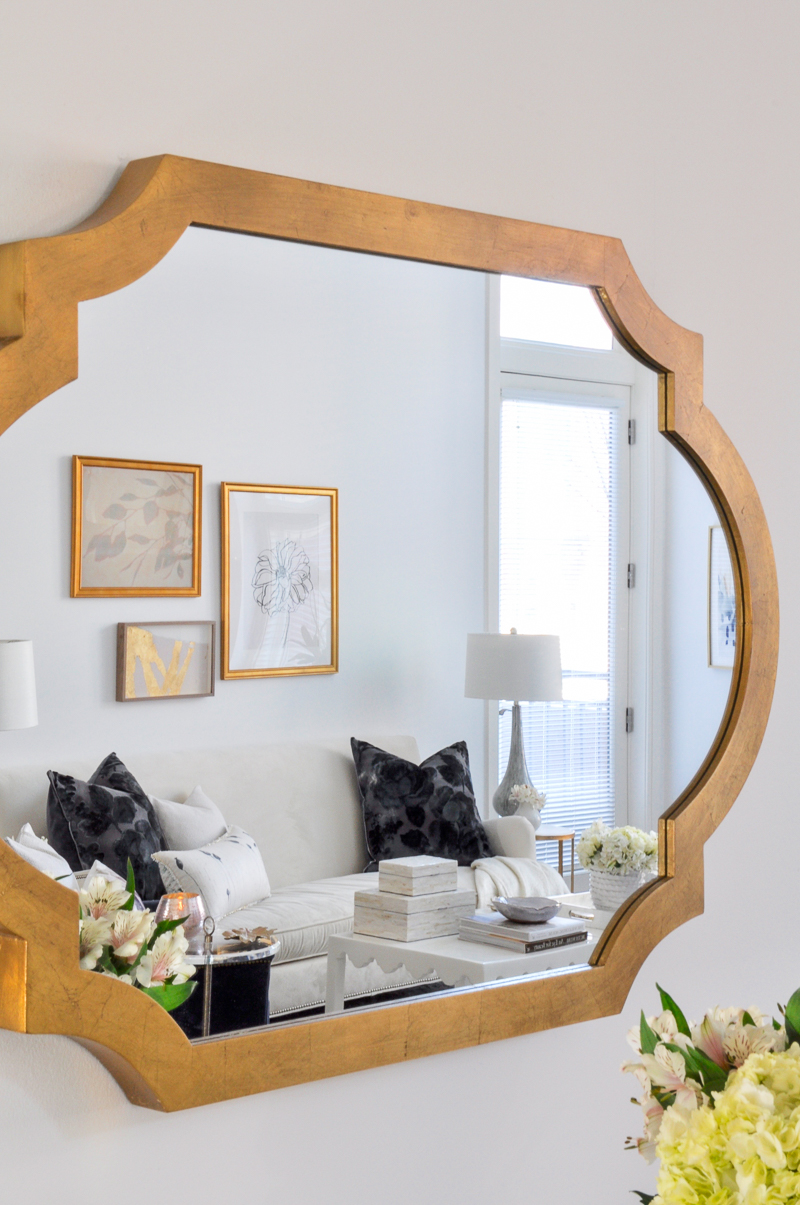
x: 531, y: 814
x: 610, y: 890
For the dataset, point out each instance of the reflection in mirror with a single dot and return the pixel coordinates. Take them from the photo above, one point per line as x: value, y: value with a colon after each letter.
x: 486, y: 481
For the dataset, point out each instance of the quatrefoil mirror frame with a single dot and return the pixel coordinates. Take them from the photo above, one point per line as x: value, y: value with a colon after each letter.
x: 42, y: 988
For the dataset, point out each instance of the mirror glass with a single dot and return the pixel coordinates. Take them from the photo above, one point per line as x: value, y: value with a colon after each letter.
x: 488, y: 477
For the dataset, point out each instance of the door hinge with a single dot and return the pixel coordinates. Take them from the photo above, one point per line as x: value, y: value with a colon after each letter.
x: 631, y: 430
x: 629, y: 719
x: 631, y: 575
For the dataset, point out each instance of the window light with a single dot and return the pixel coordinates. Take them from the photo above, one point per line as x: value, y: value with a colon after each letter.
x: 542, y: 312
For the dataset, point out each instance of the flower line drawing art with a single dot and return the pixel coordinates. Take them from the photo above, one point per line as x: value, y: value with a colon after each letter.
x: 157, y: 519
x: 282, y: 578
x: 282, y: 584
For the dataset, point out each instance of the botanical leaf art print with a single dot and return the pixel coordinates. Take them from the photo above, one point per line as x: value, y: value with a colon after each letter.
x: 135, y: 528
x: 279, y: 588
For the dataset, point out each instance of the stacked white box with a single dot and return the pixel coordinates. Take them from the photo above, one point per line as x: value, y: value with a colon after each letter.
x: 416, y: 898
x: 421, y: 875
x: 411, y: 917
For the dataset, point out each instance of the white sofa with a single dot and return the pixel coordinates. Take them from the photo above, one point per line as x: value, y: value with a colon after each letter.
x: 302, y: 806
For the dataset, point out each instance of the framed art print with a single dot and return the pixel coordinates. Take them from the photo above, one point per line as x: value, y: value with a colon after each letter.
x: 721, y: 602
x: 165, y: 660
x: 279, y: 581
x: 136, y: 527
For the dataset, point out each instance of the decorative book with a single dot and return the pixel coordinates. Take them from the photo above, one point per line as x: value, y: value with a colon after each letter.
x: 526, y: 939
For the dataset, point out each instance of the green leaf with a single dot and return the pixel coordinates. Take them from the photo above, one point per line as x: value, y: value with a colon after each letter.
x: 747, y: 1019
x: 648, y: 1037
x: 699, y: 1067
x: 164, y: 926
x: 170, y: 995
x: 130, y: 886
x: 644, y: 1197
x: 792, y: 1016
x: 669, y: 1006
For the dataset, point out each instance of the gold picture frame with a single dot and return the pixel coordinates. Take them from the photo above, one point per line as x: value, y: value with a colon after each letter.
x: 280, y: 583
x: 153, y: 531
x: 42, y: 281
x: 165, y: 660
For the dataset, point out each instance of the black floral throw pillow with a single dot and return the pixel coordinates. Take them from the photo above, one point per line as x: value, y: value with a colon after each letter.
x: 426, y: 809
x: 109, y: 819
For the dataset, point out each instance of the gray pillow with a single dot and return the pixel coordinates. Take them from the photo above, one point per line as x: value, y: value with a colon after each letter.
x: 107, y: 819
x: 426, y: 809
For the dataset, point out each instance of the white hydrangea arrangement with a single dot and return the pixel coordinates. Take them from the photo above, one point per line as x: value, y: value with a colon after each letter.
x: 623, y: 850
x: 128, y: 945
x: 721, y: 1102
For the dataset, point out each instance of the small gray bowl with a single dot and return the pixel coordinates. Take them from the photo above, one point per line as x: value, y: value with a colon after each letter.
x: 531, y: 909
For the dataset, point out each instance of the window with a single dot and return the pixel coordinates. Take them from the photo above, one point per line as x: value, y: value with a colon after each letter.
x: 562, y: 394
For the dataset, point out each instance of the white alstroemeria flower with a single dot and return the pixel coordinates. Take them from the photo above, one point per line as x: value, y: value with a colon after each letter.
x: 93, y: 935
x: 664, y: 1026
x: 667, y: 1069
x: 120, y: 978
x: 165, y: 961
x: 740, y: 1041
x: 130, y: 931
x: 639, y: 1071
x: 101, y: 896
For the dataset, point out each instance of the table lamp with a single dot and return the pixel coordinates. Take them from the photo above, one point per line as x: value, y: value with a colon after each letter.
x: 513, y: 667
x: 17, y: 685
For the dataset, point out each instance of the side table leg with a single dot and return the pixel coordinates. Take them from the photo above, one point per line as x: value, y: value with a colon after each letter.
x: 334, y: 990
x: 572, y: 866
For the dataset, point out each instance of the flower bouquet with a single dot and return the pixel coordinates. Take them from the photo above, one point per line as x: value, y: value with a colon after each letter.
x: 721, y: 1102
x: 619, y: 861
x: 529, y: 802
x: 117, y: 940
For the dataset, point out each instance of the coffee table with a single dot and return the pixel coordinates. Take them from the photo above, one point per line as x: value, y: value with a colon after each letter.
x: 454, y: 961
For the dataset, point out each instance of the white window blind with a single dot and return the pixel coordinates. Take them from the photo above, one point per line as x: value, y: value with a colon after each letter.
x: 558, y: 521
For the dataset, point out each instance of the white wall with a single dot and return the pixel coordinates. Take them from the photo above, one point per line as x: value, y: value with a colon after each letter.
x: 696, y: 693
x: 671, y: 125
x: 278, y: 364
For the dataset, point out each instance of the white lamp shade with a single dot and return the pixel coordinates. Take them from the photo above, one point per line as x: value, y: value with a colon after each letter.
x: 17, y: 685
x: 513, y: 667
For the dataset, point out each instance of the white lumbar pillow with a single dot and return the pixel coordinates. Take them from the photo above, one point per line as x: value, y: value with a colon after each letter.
x: 229, y: 873
x: 39, y: 853
x: 190, y: 824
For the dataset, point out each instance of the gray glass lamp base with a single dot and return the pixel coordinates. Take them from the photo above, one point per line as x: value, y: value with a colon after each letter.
x: 517, y: 771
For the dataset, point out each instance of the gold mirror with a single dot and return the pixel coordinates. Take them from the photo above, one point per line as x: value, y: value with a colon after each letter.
x: 42, y: 283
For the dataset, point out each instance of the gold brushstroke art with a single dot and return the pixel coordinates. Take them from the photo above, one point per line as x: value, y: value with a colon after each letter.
x: 142, y: 647
x: 164, y: 660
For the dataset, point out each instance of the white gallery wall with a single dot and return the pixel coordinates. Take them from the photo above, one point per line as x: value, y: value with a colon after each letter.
x: 671, y: 125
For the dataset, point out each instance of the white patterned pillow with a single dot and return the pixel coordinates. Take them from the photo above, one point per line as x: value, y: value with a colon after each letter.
x: 190, y: 824
x: 229, y: 873
x: 41, y: 854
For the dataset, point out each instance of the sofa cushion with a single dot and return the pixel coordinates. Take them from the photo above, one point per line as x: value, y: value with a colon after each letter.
x: 190, y: 824
x: 229, y: 872
x: 108, y: 818
x: 39, y: 853
x: 424, y: 809
x: 306, y: 915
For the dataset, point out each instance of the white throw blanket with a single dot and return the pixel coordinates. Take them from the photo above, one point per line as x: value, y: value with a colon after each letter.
x: 515, y: 877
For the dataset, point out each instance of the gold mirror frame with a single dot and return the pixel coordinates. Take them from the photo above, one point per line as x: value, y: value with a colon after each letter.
x: 42, y: 988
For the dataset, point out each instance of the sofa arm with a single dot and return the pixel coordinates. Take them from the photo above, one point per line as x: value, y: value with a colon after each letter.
x: 511, y: 837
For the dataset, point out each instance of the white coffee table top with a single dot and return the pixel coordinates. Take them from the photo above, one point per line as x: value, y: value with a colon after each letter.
x: 453, y: 961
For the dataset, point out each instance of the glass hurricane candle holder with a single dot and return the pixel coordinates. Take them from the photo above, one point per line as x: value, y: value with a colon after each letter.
x: 178, y: 904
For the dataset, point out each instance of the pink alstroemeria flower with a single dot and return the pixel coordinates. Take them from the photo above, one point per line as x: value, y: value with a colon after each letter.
x: 667, y: 1070
x: 165, y: 961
